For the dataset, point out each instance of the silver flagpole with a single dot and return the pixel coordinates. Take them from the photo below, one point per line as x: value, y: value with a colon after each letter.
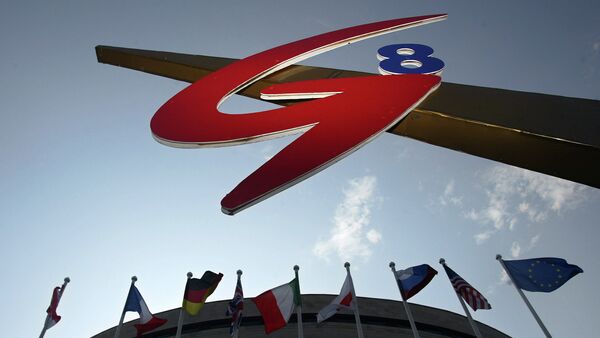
x: 406, y: 307
x: 239, y: 274
x: 356, y: 313
x: 464, y: 306
x: 60, y: 293
x: 535, y: 315
x: 118, y: 331
x: 181, y: 312
x: 299, y: 307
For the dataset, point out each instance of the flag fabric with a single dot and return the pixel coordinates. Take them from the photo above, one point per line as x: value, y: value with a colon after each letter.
x: 473, y: 297
x: 345, y: 300
x: 136, y: 303
x: 52, y: 317
x: 276, y: 305
x: 235, y: 307
x: 413, y: 279
x: 197, y: 290
x: 541, y: 274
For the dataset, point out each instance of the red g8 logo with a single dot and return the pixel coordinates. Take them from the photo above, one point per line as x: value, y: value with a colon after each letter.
x: 347, y: 114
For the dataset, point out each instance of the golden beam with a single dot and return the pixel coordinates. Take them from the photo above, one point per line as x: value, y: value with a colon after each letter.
x: 554, y: 135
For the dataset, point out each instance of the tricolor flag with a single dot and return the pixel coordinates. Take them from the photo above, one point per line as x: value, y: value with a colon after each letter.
x: 413, y: 279
x: 52, y: 317
x: 473, y: 297
x: 197, y: 290
x: 276, y: 305
x: 344, y: 300
x: 235, y: 307
x: 136, y: 303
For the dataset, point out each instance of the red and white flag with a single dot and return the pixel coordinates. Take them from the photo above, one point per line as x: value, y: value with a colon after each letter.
x: 52, y: 317
x: 473, y: 297
x: 345, y: 300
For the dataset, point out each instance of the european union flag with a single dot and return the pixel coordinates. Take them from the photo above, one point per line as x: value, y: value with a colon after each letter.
x: 541, y: 274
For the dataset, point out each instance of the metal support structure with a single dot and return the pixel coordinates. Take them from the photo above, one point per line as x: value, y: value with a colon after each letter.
x: 118, y: 330
x: 182, y: 312
x: 299, y: 307
x: 355, y: 299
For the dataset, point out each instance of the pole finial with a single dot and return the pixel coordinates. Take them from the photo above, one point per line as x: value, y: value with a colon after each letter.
x: 67, y: 280
x: 296, y: 268
x: 498, y: 257
x: 133, y: 279
x: 392, y: 265
x: 442, y: 261
x: 346, y: 265
x: 239, y: 272
x: 190, y: 274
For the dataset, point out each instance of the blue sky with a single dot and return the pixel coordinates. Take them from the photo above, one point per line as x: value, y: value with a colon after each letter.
x: 88, y: 193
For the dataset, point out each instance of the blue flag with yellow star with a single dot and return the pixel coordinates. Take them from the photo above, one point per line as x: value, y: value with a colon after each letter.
x: 541, y: 274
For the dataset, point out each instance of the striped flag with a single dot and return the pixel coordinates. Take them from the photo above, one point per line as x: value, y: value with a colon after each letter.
x: 473, y: 297
x: 235, y: 307
x: 197, y: 290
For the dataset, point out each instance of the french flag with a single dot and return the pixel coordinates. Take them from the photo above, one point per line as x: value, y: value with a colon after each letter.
x: 136, y: 303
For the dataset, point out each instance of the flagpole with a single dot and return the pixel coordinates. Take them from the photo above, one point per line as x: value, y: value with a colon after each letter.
x: 181, y: 312
x: 356, y: 313
x: 118, y: 331
x: 60, y: 293
x: 464, y: 306
x: 239, y: 274
x: 406, y: 307
x: 299, y: 307
x: 535, y: 315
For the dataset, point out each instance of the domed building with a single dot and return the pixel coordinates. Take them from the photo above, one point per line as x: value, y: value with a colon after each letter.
x: 380, y: 318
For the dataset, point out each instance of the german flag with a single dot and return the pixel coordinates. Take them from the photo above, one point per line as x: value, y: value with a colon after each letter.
x: 197, y: 290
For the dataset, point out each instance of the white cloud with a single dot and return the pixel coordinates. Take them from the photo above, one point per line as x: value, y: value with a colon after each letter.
x: 513, y: 193
x: 515, y: 250
x: 349, y: 237
x: 481, y: 238
x: 512, y: 224
x: 533, y: 242
x: 504, y: 279
x: 523, y: 207
x: 449, y: 197
x: 374, y: 236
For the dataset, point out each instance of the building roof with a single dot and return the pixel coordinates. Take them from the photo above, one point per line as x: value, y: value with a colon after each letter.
x: 379, y: 318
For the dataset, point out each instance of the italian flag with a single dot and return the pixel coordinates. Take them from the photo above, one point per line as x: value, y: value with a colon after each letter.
x: 276, y: 305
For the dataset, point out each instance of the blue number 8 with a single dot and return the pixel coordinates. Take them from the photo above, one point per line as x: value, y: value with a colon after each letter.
x: 408, y: 58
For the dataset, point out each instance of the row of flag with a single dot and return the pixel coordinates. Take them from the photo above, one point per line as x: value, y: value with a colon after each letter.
x: 277, y: 305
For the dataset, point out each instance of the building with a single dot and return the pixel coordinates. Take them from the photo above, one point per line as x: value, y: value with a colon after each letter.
x: 380, y: 318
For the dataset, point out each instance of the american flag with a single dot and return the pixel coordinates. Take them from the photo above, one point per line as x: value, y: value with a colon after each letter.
x: 473, y: 297
x: 235, y: 307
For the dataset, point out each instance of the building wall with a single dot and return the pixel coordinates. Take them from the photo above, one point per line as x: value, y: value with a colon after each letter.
x: 380, y: 318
